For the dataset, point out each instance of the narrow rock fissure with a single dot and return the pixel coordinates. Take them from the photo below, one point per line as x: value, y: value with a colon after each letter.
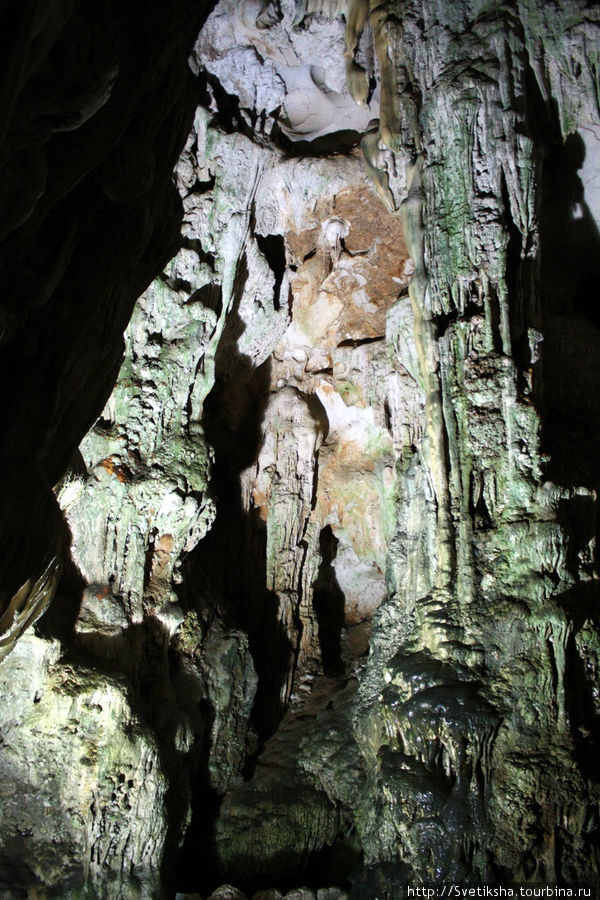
x: 328, y: 600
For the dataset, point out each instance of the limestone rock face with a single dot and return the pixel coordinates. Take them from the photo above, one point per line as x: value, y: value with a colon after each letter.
x: 90, y: 134
x: 459, y: 711
x: 291, y: 79
x: 450, y: 720
x: 74, y: 804
x: 329, y: 620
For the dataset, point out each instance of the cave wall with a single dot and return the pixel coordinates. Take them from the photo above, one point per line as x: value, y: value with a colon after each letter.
x: 96, y: 106
x: 330, y: 610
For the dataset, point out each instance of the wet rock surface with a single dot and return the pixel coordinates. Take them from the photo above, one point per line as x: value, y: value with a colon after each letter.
x: 328, y: 623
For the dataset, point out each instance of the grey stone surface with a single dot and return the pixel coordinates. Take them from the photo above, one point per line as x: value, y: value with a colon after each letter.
x: 227, y: 892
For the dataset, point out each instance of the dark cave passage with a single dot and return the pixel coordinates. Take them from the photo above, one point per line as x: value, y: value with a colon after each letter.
x: 328, y: 601
x: 231, y: 559
x: 226, y: 575
x: 570, y: 351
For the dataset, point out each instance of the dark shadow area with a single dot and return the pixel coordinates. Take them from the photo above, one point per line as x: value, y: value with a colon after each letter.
x: 328, y: 602
x: 199, y: 835
x: 230, y: 117
x: 137, y: 657
x: 540, y: 123
x: 582, y: 674
x: 578, y: 518
x: 478, y: 509
x: 229, y: 567
x: 59, y: 619
x: 586, y: 301
x: 385, y: 881
x: 34, y: 531
x: 334, y: 865
x: 272, y: 247
x: 570, y: 351
x: 519, y: 295
x: 568, y: 374
x: 232, y: 556
x: 334, y: 144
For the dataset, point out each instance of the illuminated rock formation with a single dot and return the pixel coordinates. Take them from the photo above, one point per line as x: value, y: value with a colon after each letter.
x: 328, y: 610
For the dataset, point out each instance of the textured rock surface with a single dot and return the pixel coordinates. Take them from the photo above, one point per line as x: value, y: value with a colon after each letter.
x: 335, y: 529
x: 467, y: 701
x: 74, y: 803
x: 141, y: 484
x: 90, y: 135
x: 469, y: 718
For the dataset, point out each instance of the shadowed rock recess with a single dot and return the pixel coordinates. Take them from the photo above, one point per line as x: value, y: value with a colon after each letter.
x: 312, y: 609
